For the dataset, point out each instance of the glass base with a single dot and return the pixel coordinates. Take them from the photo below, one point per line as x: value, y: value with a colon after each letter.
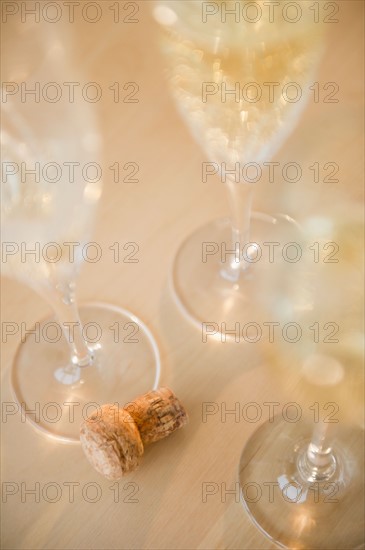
x: 55, y: 396
x: 289, y: 510
x: 202, y: 281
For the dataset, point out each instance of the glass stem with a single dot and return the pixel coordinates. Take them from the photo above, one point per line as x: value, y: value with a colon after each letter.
x: 65, y: 308
x: 317, y: 462
x: 240, y: 197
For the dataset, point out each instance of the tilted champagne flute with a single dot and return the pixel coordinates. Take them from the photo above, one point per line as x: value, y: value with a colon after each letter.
x: 240, y: 83
x: 50, y: 144
x: 305, y: 467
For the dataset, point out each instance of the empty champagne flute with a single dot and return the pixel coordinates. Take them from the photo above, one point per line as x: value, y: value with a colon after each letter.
x: 80, y: 358
x: 301, y: 473
x: 240, y: 77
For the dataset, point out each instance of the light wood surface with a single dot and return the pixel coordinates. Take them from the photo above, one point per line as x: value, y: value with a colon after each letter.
x: 166, y: 205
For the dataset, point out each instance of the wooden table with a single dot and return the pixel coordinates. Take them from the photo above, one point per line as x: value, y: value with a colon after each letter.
x: 170, y: 511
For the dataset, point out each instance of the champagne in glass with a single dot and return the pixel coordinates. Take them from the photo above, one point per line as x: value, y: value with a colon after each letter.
x: 313, y: 458
x: 82, y: 357
x: 241, y: 82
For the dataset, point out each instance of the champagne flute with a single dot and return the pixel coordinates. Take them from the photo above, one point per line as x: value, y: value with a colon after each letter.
x: 74, y: 361
x: 306, y: 465
x: 229, y: 74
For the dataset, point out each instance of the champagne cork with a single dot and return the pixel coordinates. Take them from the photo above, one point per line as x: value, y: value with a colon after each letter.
x: 113, y: 438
